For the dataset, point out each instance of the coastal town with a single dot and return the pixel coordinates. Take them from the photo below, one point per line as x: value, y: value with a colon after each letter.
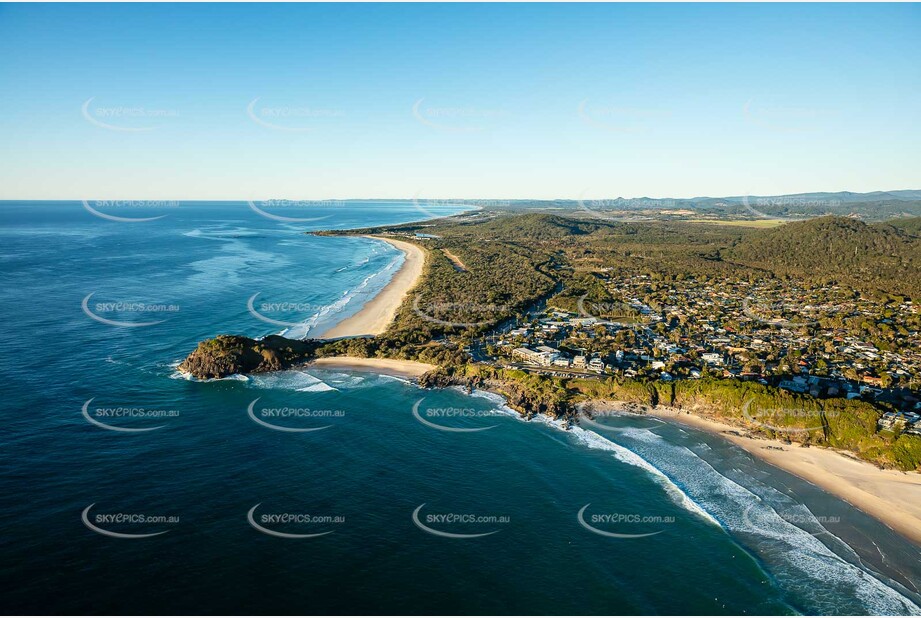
x: 458, y: 309
x: 560, y: 318
x: 825, y: 342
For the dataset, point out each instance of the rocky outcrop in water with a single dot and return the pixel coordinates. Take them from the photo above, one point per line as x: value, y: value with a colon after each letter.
x: 530, y: 405
x: 441, y: 378
x: 233, y: 354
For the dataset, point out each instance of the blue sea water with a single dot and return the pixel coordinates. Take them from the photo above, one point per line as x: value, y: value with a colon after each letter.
x: 383, y: 513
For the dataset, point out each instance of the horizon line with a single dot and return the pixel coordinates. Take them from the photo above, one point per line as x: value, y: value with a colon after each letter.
x: 418, y: 198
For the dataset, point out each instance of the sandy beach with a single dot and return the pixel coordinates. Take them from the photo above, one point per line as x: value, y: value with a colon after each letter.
x: 378, y: 313
x: 890, y: 496
x: 387, y: 366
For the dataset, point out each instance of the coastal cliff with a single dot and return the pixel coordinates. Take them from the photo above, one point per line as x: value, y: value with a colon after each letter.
x: 837, y: 423
x: 227, y: 355
x: 519, y: 397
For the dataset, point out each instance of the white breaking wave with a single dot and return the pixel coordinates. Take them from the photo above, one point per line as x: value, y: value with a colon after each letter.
x: 300, y: 381
x: 345, y: 380
x: 321, y: 387
x: 301, y: 331
x: 359, y: 264
x: 359, y: 379
x: 798, y: 558
x: 493, y: 397
x: 596, y: 441
x: 395, y: 378
x: 182, y: 375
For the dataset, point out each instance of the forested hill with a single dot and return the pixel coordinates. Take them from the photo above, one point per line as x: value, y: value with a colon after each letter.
x: 909, y: 225
x: 879, y: 257
x: 530, y: 226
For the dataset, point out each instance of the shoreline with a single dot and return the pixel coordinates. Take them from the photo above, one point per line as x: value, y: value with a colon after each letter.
x: 387, y: 366
x: 378, y: 313
x: 889, y: 496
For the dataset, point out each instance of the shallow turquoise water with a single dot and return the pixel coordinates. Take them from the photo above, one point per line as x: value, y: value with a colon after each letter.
x: 709, y: 531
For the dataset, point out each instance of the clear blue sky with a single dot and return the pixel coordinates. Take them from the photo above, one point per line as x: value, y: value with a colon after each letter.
x: 491, y: 101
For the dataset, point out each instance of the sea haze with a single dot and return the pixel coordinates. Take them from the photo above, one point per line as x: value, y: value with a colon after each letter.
x: 372, y: 511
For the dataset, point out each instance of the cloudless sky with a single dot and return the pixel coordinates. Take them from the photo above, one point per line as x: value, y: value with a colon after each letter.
x: 256, y: 101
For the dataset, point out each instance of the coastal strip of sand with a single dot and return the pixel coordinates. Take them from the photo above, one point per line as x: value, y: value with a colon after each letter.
x: 386, y: 366
x: 378, y: 313
x: 890, y: 496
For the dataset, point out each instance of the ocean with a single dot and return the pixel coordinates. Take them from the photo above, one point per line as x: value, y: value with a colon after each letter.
x: 130, y: 489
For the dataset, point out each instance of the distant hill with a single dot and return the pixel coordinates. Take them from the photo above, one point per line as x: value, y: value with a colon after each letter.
x: 869, y: 257
x: 840, y: 196
x: 881, y: 257
x: 873, y: 206
x: 539, y: 226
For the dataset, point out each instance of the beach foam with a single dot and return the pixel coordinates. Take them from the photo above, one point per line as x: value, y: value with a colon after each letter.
x: 316, y: 324
x: 594, y: 440
x: 291, y: 380
x: 763, y: 516
x: 756, y: 511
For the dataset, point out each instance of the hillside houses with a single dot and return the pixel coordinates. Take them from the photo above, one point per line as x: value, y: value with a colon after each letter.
x: 773, y: 332
x: 909, y: 422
